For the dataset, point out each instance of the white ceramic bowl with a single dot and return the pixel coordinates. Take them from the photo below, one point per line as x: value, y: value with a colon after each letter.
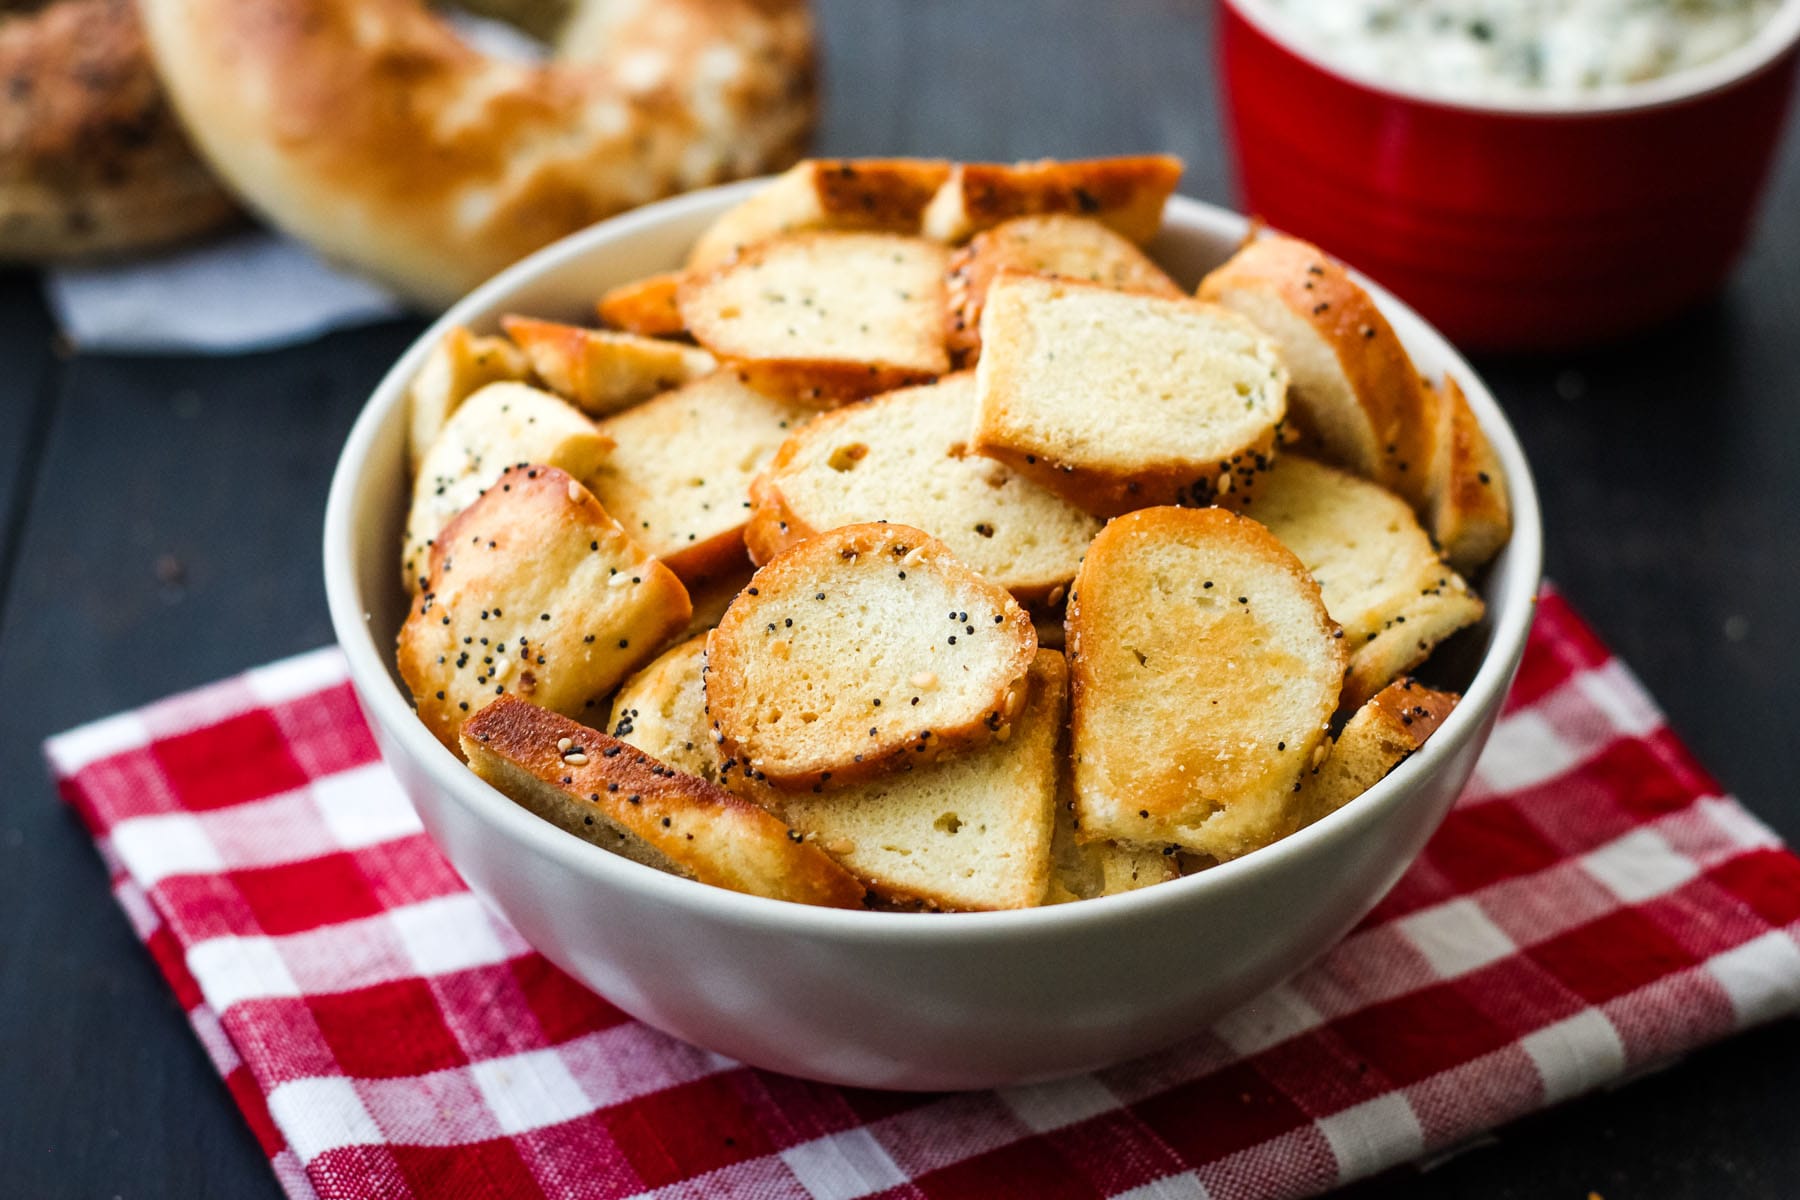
x: 896, y: 1000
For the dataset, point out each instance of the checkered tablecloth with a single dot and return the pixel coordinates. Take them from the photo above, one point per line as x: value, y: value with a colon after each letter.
x: 1592, y: 907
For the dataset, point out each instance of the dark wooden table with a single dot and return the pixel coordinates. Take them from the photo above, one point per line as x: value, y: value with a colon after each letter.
x: 159, y: 528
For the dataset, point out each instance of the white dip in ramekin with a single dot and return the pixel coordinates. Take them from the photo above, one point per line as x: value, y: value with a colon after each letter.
x: 1485, y: 50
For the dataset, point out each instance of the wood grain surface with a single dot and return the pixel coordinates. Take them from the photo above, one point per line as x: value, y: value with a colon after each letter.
x: 160, y: 520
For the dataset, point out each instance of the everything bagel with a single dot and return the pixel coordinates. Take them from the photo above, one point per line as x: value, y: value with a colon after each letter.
x: 369, y: 128
x: 92, y: 159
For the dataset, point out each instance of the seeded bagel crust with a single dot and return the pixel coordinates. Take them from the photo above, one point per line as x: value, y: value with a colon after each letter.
x: 1355, y: 396
x: 969, y: 832
x: 533, y: 591
x: 1126, y: 194
x: 500, y: 426
x: 93, y: 160
x: 1377, y: 738
x: 1118, y: 401
x: 1470, y: 514
x: 884, y: 195
x: 860, y: 650
x: 662, y: 711
x: 621, y: 799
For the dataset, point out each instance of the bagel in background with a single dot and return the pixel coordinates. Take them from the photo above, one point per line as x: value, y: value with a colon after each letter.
x: 371, y: 130
x: 93, y: 162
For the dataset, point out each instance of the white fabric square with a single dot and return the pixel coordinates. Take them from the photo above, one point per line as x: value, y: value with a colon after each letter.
x: 70, y: 752
x: 1762, y: 977
x: 1048, y: 1106
x: 1523, y: 752
x: 438, y: 1108
x: 301, y: 675
x: 154, y: 848
x: 230, y: 969
x: 1185, y: 1186
x: 1457, y: 937
x: 1733, y: 823
x: 1639, y: 865
x: 843, y: 1166
x: 1269, y: 1020
x: 449, y: 933
x: 322, y: 1114
x: 281, y: 829
x: 363, y: 807
x: 1616, y: 693
x: 530, y: 1091
x: 1576, y: 1054
x: 630, y: 1059
x: 1373, y: 1135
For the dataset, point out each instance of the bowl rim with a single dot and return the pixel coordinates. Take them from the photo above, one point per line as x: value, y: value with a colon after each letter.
x: 387, y: 704
x: 1777, y: 37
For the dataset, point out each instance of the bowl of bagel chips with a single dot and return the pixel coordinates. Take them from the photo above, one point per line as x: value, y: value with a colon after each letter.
x: 928, y: 625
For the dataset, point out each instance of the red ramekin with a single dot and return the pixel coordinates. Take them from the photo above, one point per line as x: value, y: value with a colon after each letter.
x: 1513, y: 225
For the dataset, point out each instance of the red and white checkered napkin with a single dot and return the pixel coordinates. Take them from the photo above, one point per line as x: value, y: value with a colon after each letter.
x: 1593, y: 906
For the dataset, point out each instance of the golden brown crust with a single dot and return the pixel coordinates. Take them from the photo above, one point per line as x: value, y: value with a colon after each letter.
x: 369, y: 128
x: 1126, y: 193
x: 92, y: 160
x: 501, y: 425
x: 594, y: 785
x: 1408, y: 712
x: 1471, y: 513
x: 1407, y: 639
x: 824, y: 383
x: 886, y: 195
x: 600, y: 371
x: 1394, y: 723
x: 1205, y: 669
x: 867, y: 674
x: 1057, y: 244
x: 1315, y: 288
x: 533, y: 590
x: 773, y: 525
x: 1231, y: 482
x: 644, y: 306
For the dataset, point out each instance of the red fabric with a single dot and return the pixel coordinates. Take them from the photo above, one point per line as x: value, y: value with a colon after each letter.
x: 1593, y: 905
